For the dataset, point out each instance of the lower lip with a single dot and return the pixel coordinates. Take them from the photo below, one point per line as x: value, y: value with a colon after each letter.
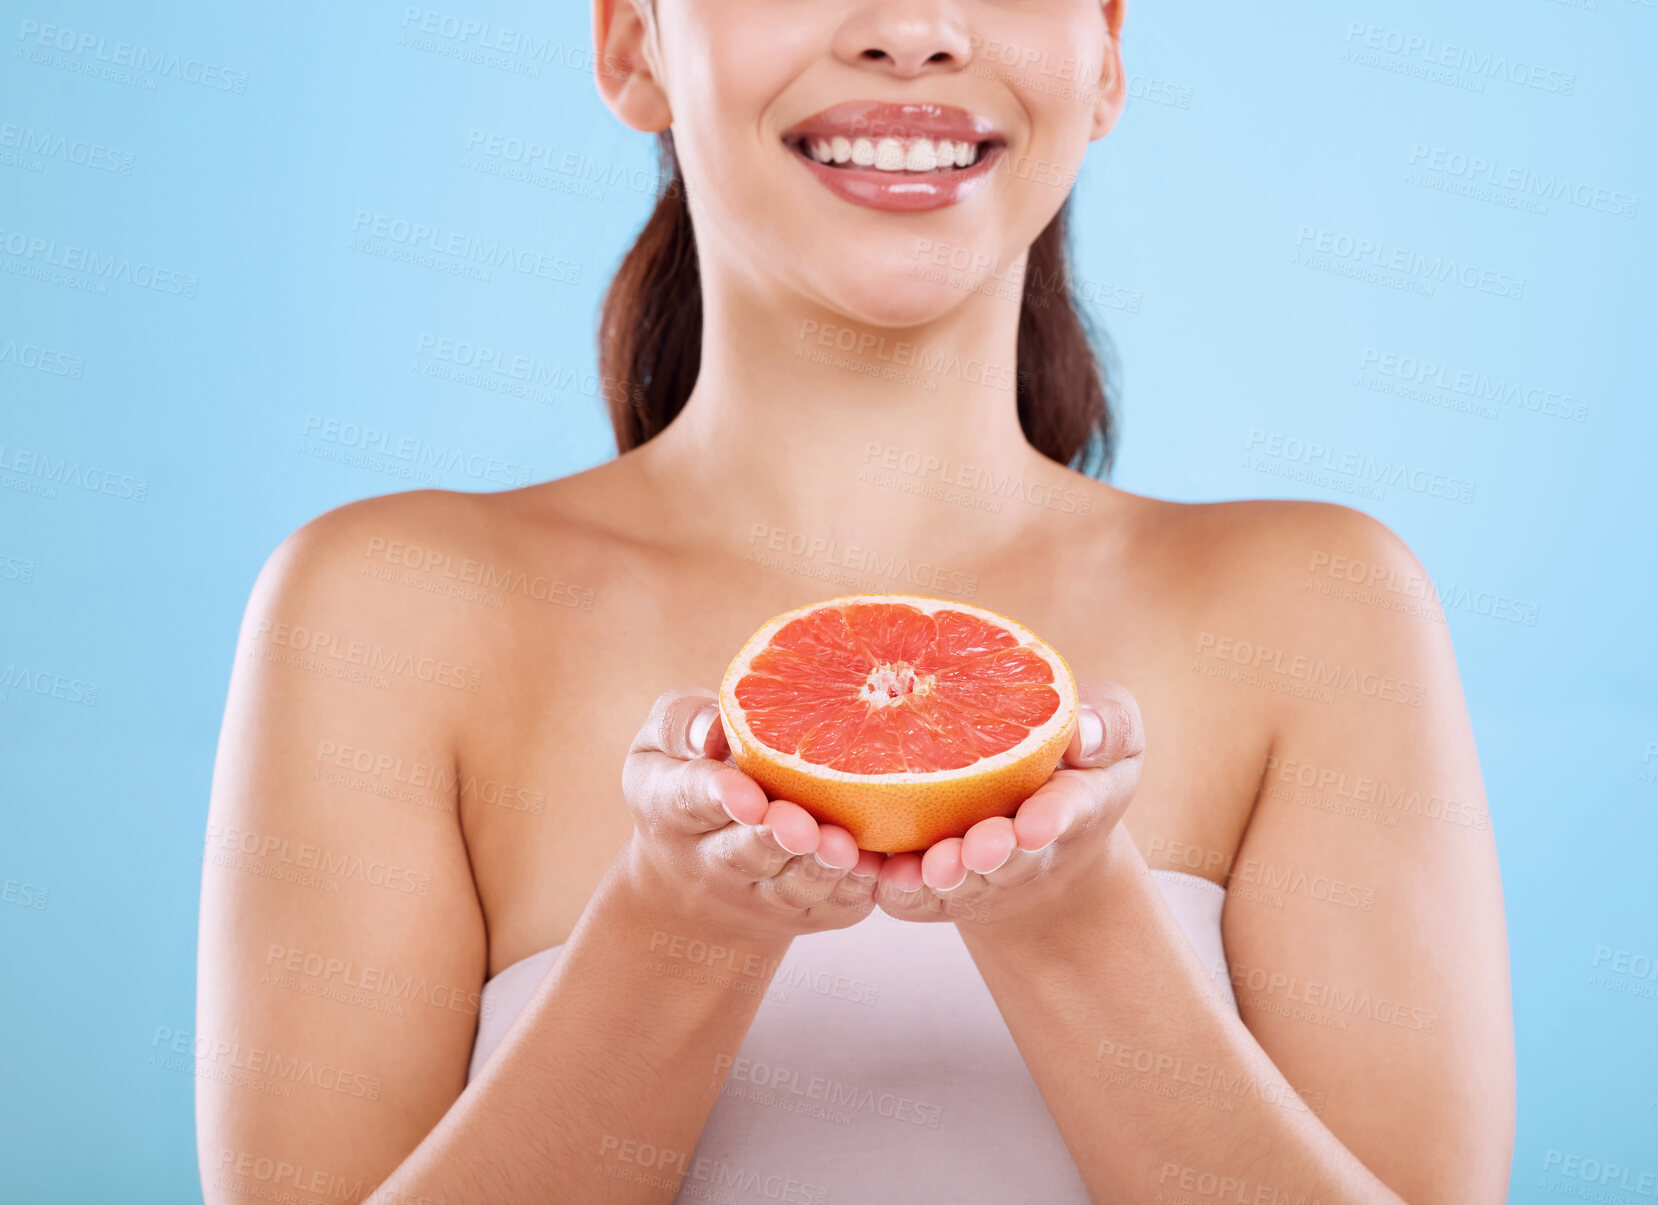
x: 905, y: 192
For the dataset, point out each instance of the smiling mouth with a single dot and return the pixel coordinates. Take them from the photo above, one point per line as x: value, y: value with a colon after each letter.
x: 900, y: 156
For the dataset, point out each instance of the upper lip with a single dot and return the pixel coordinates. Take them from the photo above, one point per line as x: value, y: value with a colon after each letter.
x: 884, y: 119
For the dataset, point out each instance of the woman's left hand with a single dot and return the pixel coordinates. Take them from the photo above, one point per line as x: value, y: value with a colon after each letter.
x: 1007, y: 870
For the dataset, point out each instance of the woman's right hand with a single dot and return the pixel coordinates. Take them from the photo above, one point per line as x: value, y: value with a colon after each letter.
x: 709, y: 846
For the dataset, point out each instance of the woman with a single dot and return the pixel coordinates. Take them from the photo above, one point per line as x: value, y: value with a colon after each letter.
x: 1228, y: 953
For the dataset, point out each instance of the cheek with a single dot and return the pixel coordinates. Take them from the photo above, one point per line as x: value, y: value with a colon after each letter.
x: 1051, y: 58
x: 725, y: 69
x: 1053, y: 156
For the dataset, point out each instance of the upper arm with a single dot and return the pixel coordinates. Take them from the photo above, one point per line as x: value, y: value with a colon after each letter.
x: 341, y: 947
x: 1364, y: 923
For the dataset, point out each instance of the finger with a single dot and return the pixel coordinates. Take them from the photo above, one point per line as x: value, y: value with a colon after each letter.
x: 803, y: 883
x: 903, y: 892
x: 668, y: 727
x: 941, y: 866
x: 988, y: 845
x: 1054, y: 810
x: 901, y: 873
x: 792, y: 827
x: 689, y: 797
x: 869, y: 864
x: 808, y: 880
x: 737, y: 795
x: 755, y: 852
x: 837, y: 848
x: 858, y: 887
x: 673, y: 776
x: 707, y: 733
x: 932, y: 886
x: 1109, y: 728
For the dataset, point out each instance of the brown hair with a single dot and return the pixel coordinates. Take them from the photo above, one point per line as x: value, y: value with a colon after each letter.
x: 650, y: 338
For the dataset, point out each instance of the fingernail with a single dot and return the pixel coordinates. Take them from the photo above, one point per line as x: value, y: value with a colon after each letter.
x: 827, y: 865
x: 1093, y: 731
x: 793, y: 853
x: 1000, y: 864
x: 719, y: 798
x: 701, y: 724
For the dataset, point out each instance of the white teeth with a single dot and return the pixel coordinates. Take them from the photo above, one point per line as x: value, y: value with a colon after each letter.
x: 893, y: 154
x: 920, y: 157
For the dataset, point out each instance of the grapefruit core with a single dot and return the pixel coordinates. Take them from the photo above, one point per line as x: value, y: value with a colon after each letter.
x: 904, y: 720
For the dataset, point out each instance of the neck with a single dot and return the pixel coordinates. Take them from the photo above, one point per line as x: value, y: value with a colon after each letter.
x: 805, y: 422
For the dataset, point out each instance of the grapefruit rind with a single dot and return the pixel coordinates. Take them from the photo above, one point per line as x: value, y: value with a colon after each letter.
x: 900, y: 811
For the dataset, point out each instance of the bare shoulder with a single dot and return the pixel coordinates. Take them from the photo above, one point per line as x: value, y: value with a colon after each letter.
x: 404, y: 556
x: 1327, y: 578
x: 1283, y: 615
x: 1312, y: 572
x: 1264, y: 544
x: 425, y: 524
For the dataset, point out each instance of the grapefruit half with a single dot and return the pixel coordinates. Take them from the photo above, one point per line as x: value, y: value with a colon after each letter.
x: 904, y: 720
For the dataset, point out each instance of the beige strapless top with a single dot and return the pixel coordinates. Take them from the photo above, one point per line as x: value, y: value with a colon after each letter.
x: 878, y: 1069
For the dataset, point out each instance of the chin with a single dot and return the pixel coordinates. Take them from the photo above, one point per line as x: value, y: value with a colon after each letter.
x: 899, y: 291
x: 898, y: 306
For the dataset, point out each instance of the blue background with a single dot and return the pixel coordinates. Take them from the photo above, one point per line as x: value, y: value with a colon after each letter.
x: 1251, y: 129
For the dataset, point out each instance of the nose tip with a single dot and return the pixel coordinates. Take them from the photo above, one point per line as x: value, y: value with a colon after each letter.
x: 904, y: 39
x: 908, y: 63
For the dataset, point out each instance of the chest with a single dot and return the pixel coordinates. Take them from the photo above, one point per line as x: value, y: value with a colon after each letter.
x: 546, y: 815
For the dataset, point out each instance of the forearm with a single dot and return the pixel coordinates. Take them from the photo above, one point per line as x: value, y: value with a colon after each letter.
x: 1151, y: 1078
x: 601, y: 1089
